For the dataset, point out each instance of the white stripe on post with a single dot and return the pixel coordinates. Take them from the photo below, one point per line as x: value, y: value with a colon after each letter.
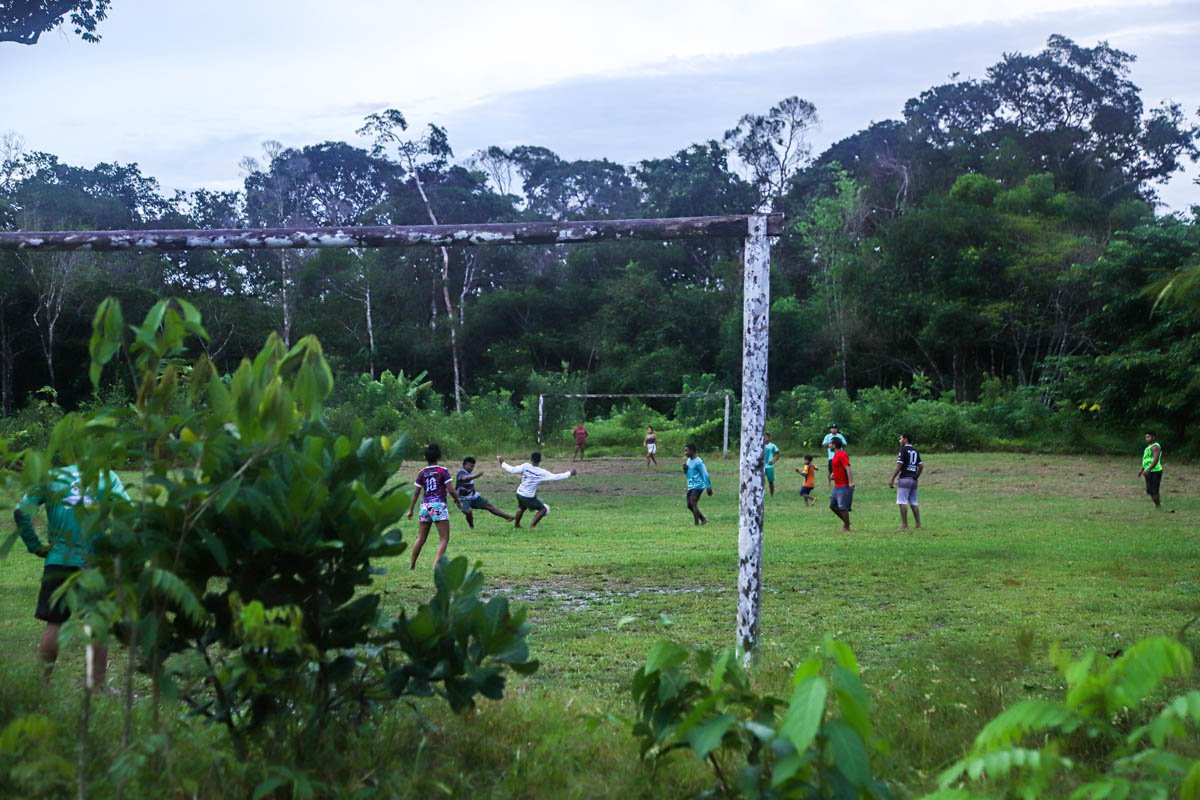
x: 756, y: 309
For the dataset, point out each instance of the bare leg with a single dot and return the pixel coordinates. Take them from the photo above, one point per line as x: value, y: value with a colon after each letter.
x: 443, y: 529
x: 491, y: 508
x: 903, y: 517
x: 697, y: 517
x: 772, y: 485
x: 844, y: 516
x: 916, y: 516
x: 470, y: 519
x: 422, y: 535
x: 47, y: 649
x: 538, y: 517
x: 517, y: 518
x: 1157, y: 502
x: 655, y: 460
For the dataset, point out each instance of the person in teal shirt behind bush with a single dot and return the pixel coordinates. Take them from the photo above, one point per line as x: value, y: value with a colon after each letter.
x: 68, y: 550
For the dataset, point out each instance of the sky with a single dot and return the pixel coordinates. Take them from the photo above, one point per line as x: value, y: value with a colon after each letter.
x: 186, y: 88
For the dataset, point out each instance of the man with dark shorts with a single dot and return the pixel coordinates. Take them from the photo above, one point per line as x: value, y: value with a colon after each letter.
x: 580, y: 433
x: 532, y: 476
x: 67, y: 552
x: 469, y: 498
x: 697, y: 482
x: 1152, y: 467
x: 908, y: 468
x: 842, y: 497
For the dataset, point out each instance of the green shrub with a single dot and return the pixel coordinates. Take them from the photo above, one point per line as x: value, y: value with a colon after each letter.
x: 1089, y: 744
x: 759, y: 745
x: 242, y: 579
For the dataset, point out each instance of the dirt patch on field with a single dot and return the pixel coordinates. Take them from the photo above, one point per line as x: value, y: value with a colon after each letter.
x: 1079, y: 477
x: 574, y: 597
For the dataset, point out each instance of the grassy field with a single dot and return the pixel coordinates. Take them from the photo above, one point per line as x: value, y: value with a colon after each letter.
x: 951, y: 623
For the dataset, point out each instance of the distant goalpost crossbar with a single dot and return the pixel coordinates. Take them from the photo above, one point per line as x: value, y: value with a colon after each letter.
x: 725, y: 432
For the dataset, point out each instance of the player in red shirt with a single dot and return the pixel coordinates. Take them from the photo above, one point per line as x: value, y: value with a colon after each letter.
x: 580, y: 434
x: 434, y: 483
x: 842, y: 496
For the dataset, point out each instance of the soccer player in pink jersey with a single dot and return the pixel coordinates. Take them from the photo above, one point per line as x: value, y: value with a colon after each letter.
x: 433, y: 484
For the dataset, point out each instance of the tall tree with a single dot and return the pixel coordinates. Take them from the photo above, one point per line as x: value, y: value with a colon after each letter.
x: 429, y: 152
x: 774, y: 146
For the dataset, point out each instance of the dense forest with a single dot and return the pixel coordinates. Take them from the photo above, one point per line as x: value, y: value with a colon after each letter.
x: 1000, y: 237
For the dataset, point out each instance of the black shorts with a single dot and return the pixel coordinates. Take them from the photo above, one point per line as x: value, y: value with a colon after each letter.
x: 530, y: 503
x: 693, y: 496
x: 53, y: 576
x: 1153, y: 481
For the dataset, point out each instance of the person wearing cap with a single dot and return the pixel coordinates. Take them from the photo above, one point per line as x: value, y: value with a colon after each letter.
x: 828, y: 442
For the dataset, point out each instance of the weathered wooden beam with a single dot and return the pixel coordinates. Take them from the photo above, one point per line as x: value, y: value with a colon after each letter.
x: 493, y: 233
x: 756, y: 317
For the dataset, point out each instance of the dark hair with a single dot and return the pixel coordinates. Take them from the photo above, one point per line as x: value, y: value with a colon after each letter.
x: 808, y: 458
x: 469, y: 460
x: 907, y: 437
x: 535, y: 457
x: 689, y: 446
x: 1151, y: 434
x: 433, y: 453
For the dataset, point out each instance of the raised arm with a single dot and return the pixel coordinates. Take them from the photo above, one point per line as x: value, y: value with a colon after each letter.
x: 511, y: 469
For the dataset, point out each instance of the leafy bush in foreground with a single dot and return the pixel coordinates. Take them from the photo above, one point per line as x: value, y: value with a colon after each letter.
x: 240, y: 579
x: 758, y: 745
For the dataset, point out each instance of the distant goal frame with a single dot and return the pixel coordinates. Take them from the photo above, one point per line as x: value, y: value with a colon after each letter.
x: 585, y: 395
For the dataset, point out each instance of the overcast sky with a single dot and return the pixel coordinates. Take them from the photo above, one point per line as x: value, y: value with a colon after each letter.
x: 186, y: 88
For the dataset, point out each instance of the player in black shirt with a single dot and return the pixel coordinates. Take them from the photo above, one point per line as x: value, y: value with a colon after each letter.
x: 908, y: 469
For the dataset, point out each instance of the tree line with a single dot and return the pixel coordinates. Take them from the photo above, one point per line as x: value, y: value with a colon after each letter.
x: 1002, y: 231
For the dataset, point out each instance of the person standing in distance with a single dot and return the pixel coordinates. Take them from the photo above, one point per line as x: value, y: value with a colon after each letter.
x: 532, y: 476
x: 433, y: 483
x: 1152, y: 467
x: 831, y: 437
x: 841, y: 499
x: 770, y: 456
x: 67, y: 552
x: 908, y: 469
x: 697, y: 482
x: 651, y: 446
x: 580, y: 434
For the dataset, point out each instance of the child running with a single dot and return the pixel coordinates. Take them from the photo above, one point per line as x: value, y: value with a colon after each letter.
x: 697, y: 482
x: 809, y: 472
x: 433, y: 483
x: 468, y: 498
x: 532, y: 476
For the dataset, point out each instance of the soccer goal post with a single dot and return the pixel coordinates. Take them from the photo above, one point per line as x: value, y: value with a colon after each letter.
x: 725, y: 429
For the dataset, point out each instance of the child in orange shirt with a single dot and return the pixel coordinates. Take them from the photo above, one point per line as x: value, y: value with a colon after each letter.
x: 810, y: 480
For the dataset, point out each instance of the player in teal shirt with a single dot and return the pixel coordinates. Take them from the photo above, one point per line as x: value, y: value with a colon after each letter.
x: 697, y: 483
x: 68, y: 550
x: 770, y: 456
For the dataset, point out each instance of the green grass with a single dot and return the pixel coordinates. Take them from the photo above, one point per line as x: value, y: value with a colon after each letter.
x: 951, y: 623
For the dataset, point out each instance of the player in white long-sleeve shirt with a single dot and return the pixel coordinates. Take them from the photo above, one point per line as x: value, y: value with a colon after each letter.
x: 531, y: 477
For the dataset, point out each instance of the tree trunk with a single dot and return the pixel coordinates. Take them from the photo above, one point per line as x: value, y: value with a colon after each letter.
x: 370, y: 332
x: 445, y: 291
